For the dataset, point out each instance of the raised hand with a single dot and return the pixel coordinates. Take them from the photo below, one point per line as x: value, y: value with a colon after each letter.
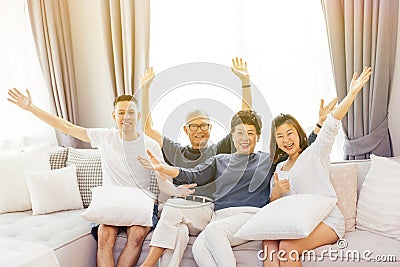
x: 239, y: 68
x: 185, y: 190
x: 325, y: 110
x: 280, y: 186
x: 147, y: 77
x: 19, y: 99
x: 358, y: 82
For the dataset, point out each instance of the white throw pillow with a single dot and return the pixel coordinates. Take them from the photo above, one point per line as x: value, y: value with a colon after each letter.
x: 291, y: 217
x: 54, y: 190
x: 378, y: 208
x: 120, y: 206
x: 14, y: 193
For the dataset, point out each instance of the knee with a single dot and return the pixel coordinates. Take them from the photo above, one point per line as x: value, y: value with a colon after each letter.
x: 170, y: 215
x: 212, y: 231
x: 136, y: 235
x: 287, y: 246
x: 199, y: 245
x: 106, y: 236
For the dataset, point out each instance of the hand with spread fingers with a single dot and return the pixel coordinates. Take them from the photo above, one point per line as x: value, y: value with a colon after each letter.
x: 239, y: 68
x: 358, y: 82
x: 19, y: 99
x: 147, y: 77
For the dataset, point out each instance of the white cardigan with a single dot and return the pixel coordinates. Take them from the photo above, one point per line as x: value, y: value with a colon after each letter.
x: 310, y: 172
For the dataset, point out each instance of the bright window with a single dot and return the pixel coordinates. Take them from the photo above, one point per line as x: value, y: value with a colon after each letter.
x: 19, y: 68
x: 284, y: 43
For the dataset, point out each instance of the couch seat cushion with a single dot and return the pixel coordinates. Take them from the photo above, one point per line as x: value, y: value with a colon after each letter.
x: 53, y: 230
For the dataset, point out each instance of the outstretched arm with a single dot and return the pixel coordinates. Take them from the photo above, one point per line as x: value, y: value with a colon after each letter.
x: 64, y: 126
x: 239, y: 68
x: 145, y: 81
x: 355, y: 86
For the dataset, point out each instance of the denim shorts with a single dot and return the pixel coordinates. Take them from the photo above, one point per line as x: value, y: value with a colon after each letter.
x: 95, y: 226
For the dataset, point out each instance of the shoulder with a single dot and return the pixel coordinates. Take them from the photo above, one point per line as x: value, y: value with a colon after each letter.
x: 168, y: 142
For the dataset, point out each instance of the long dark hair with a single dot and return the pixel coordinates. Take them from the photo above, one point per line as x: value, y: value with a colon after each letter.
x: 278, y: 121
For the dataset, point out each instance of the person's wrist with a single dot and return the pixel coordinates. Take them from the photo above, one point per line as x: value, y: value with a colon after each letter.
x: 319, y: 125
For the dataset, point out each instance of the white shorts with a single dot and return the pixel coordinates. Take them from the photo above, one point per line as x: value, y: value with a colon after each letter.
x: 335, y: 220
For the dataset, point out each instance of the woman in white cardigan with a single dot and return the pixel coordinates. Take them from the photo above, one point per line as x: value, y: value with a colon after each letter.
x: 306, y: 171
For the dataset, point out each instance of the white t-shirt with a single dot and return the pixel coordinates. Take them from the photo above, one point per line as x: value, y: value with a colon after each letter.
x: 310, y: 172
x: 119, y: 158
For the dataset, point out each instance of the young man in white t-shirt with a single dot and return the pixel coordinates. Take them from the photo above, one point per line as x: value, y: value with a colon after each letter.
x: 119, y: 149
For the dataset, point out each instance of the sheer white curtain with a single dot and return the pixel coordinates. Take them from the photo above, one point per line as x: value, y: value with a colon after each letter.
x: 19, y: 67
x: 284, y: 42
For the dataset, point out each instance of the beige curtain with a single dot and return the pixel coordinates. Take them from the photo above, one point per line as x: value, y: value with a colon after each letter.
x: 51, y: 32
x: 126, y: 25
x: 364, y: 33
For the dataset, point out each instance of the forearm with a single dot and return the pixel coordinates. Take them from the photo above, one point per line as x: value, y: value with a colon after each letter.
x: 344, y: 106
x: 169, y: 170
x: 60, y: 124
x: 166, y: 186
x: 246, y: 94
x: 147, y: 122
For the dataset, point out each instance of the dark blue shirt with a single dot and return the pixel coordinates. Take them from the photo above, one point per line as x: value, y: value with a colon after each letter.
x: 240, y: 179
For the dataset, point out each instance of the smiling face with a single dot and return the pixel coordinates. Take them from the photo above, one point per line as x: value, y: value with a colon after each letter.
x: 126, y: 115
x: 287, y: 139
x: 198, y: 130
x: 245, y: 138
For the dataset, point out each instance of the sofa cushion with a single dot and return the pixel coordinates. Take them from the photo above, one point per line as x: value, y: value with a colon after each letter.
x: 58, y: 159
x: 88, y: 171
x: 53, y: 230
x: 54, y: 190
x: 14, y: 193
x: 274, y: 221
x: 378, y: 208
x: 344, y: 180
x: 365, y: 245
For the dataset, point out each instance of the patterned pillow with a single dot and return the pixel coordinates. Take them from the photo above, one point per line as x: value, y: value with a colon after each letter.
x: 88, y: 171
x: 154, y: 186
x: 344, y: 180
x: 58, y: 159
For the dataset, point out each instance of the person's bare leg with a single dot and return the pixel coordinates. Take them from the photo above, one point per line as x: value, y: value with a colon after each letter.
x: 106, y: 239
x: 271, y: 248
x: 131, y: 252
x: 154, y: 255
x: 322, y: 235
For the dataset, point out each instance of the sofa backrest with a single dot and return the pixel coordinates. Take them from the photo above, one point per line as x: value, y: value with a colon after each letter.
x: 363, y: 168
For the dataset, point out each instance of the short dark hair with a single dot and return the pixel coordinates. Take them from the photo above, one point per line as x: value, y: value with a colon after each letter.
x: 278, y: 121
x: 249, y: 117
x: 125, y: 98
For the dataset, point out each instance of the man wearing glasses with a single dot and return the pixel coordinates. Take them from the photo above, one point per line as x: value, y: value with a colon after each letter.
x: 190, y: 215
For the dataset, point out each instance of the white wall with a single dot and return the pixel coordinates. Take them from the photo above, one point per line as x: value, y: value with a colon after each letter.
x: 94, y: 93
x: 394, y: 105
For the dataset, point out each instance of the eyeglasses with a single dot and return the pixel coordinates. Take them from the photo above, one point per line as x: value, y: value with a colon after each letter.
x: 203, y: 127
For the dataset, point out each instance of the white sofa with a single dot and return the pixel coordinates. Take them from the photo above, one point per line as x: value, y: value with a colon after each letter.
x: 69, y: 234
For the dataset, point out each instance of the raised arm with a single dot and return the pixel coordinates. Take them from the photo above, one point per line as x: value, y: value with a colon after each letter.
x: 145, y: 81
x: 355, y: 86
x: 239, y: 68
x: 64, y: 126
